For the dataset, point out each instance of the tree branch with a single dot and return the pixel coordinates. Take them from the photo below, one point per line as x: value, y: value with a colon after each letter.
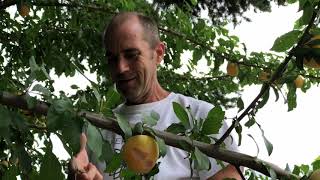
x: 282, y: 67
x: 214, y: 151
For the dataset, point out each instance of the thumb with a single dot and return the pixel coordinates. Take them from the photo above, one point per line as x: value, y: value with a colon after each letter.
x: 83, y: 141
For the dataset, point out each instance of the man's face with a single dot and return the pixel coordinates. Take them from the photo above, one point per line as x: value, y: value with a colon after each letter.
x: 131, y: 61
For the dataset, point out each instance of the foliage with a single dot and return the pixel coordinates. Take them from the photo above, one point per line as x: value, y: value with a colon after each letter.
x: 221, y: 10
x: 64, y: 38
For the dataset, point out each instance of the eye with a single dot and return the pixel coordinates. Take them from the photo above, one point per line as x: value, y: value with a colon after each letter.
x: 132, y: 54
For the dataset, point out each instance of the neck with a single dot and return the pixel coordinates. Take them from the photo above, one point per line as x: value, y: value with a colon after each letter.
x: 155, y: 93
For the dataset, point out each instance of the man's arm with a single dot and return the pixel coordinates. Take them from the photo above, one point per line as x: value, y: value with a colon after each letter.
x: 228, y: 172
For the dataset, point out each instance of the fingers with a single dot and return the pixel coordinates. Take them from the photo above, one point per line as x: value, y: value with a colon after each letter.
x: 76, y: 166
x: 80, y: 161
x: 83, y: 141
x: 91, y: 174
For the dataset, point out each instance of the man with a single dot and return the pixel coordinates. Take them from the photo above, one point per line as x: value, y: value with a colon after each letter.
x: 134, y: 51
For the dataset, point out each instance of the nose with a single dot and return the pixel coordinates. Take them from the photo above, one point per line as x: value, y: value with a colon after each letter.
x: 123, y: 65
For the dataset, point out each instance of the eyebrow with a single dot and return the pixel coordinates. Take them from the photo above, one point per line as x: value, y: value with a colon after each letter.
x: 109, y: 53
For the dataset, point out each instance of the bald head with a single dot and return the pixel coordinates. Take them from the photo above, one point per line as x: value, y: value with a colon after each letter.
x: 149, y: 26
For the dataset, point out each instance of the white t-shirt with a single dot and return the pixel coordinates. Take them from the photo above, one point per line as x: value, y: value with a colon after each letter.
x: 174, y: 165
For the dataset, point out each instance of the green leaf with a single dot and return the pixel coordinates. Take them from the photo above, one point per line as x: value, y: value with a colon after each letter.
x: 113, y: 98
x: 213, y: 122
x: 264, y: 100
x: 107, y: 152
x: 95, y: 140
x: 162, y: 147
x: 41, y: 89
x: 197, y: 55
x: 124, y: 125
x: 201, y: 160
x: 5, y: 119
x: 128, y: 174
x: 151, y: 119
x: 307, y: 14
x: 305, y: 168
x: 5, y: 122
x: 291, y: 97
x: 19, y: 123
x: 182, y: 114
x: 268, y: 144
x: 33, y: 65
x: 45, y: 73
x: 53, y: 119
x: 296, y: 170
x: 258, y: 150
x: 272, y: 173
x: 114, y: 164
x: 74, y: 86
x: 63, y: 105
x: 50, y: 168
x: 176, y: 128
x: 240, y: 104
x: 138, y: 128
x: 31, y: 101
x: 285, y: 41
x: 194, y: 2
x: 24, y: 159
x: 316, y: 164
x: 71, y: 130
x: 11, y: 173
x: 96, y: 93
x: 302, y: 4
x: 276, y: 93
x: 250, y: 122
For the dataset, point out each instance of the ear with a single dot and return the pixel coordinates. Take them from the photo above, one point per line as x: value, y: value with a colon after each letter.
x: 160, y: 51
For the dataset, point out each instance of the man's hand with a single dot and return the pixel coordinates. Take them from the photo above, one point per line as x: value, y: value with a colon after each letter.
x: 80, y: 165
x: 228, y: 172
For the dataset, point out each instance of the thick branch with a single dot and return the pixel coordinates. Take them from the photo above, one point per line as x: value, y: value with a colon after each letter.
x: 235, y: 158
x: 282, y: 67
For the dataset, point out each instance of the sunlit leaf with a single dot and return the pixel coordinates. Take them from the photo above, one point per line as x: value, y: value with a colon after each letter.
x: 285, y: 41
x: 182, y: 114
x: 213, y: 122
x: 162, y: 147
x: 201, y: 160
x: 151, y: 119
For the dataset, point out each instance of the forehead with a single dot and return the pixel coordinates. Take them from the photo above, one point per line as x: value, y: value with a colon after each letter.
x: 127, y: 35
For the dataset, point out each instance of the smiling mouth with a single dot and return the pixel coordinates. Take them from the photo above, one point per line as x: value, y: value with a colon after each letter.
x: 125, y: 81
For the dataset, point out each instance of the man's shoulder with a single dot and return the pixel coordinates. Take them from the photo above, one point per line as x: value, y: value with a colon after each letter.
x: 197, y: 106
x: 188, y: 100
